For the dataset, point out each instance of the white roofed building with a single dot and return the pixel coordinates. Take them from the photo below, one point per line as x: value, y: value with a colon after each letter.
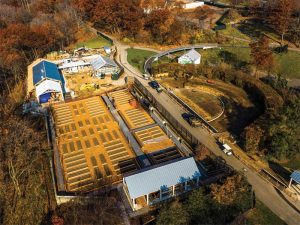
x: 69, y: 66
x: 49, y: 89
x: 191, y: 57
x: 157, y: 184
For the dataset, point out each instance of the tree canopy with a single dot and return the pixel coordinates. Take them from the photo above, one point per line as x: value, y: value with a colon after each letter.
x: 206, y: 205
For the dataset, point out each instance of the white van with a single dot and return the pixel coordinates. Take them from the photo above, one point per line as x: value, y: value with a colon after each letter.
x: 146, y: 76
x: 226, y: 149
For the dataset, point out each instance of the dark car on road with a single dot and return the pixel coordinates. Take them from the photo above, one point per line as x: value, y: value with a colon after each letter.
x: 155, y: 86
x: 191, y: 119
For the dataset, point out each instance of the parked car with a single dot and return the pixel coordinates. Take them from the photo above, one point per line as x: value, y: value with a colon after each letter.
x: 159, y: 90
x: 153, y: 84
x: 226, y: 149
x: 191, y: 119
x: 146, y: 76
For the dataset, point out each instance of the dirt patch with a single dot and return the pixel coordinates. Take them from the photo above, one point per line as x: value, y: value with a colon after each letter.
x: 213, y: 14
x: 84, y: 84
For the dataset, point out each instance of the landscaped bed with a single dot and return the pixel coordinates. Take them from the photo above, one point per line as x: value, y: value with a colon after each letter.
x: 206, y: 104
x: 203, y: 98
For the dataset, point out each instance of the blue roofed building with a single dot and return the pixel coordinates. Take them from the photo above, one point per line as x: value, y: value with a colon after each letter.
x: 158, y: 183
x: 45, y: 79
x: 45, y: 70
x: 294, y: 184
x: 295, y: 176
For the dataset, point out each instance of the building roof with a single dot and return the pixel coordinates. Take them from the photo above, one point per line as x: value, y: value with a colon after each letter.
x: 154, y: 179
x: 192, y: 54
x: 71, y: 64
x: 48, y: 86
x: 101, y: 61
x: 296, y: 176
x: 45, y: 69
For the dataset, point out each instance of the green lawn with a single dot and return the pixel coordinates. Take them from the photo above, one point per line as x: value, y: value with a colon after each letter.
x: 137, y: 57
x: 287, y: 64
x: 233, y: 32
x: 261, y: 215
x: 97, y: 42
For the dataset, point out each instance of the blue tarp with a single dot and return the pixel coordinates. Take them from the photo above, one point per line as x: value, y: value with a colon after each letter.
x: 45, y: 69
x: 44, y: 97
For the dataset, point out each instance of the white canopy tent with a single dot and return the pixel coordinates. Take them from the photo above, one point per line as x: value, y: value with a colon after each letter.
x: 47, y: 86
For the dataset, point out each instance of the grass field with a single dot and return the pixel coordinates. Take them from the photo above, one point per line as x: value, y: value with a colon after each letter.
x: 97, y: 42
x: 287, y: 64
x: 231, y: 31
x: 137, y: 57
x: 261, y: 215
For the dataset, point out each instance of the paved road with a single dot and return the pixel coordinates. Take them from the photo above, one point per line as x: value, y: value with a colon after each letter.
x: 264, y: 191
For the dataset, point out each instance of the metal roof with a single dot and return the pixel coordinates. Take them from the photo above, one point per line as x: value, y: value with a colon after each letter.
x: 45, y: 69
x: 71, y: 64
x: 101, y: 61
x: 296, y: 176
x: 157, y: 178
x: 192, y: 54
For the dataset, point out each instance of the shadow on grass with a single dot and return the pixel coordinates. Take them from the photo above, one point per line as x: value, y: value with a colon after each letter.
x: 280, y: 171
x: 233, y: 59
x: 255, y: 28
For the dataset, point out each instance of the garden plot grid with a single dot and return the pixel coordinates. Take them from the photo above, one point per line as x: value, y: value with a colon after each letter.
x: 92, y: 149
